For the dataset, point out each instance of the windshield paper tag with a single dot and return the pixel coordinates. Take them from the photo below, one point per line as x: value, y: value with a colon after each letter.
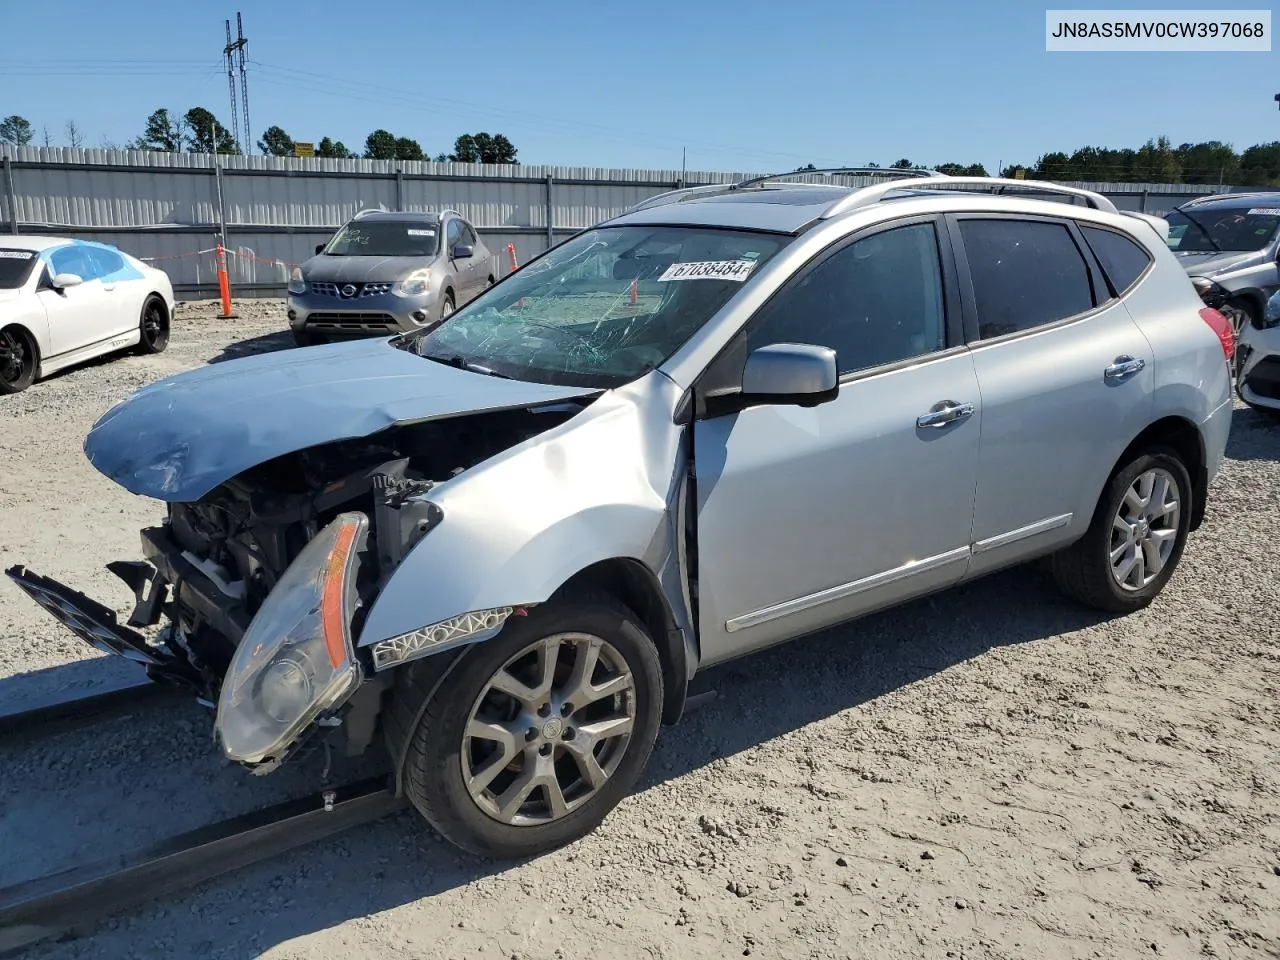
x: 735, y: 270
x: 421, y: 233
x: 1265, y: 212
x: 16, y: 254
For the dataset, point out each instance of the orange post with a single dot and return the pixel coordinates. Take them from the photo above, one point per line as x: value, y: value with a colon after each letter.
x: 511, y: 254
x: 224, y: 285
x: 635, y: 293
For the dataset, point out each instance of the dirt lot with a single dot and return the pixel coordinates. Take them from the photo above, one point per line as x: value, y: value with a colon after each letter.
x: 991, y: 773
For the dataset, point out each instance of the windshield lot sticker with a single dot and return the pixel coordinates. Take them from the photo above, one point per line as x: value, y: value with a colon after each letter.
x: 1265, y: 212
x: 16, y: 254
x: 735, y: 270
x: 422, y: 233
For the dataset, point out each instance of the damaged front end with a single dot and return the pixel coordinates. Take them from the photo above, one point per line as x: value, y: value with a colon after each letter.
x: 251, y: 592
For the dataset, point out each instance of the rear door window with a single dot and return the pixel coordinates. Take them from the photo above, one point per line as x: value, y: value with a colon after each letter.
x: 1026, y: 273
x: 1123, y: 261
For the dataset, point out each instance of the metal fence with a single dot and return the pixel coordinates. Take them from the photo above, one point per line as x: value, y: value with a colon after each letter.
x: 271, y: 212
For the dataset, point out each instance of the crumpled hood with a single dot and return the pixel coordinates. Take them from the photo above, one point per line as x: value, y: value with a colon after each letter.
x: 1209, y: 263
x: 361, y: 269
x: 180, y: 437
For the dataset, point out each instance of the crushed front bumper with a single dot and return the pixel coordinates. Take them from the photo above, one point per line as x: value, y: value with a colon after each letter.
x: 98, y: 626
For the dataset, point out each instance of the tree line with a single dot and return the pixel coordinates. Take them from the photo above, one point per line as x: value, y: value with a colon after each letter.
x: 1156, y: 161
x: 199, y: 131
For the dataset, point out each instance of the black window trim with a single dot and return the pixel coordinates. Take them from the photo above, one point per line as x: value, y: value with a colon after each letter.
x: 951, y: 306
x: 1146, y: 271
x: 1097, y: 282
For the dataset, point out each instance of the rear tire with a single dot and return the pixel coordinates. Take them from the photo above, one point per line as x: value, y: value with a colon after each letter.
x: 19, y: 358
x: 1123, y: 531
x: 153, y: 327
x: 563, y: 752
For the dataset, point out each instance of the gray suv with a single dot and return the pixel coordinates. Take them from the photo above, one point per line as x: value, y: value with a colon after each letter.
x: 388, y: 273
x: 1229, y: 245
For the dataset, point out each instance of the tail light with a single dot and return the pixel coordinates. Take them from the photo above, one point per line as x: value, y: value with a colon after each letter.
x: 1222, y: 327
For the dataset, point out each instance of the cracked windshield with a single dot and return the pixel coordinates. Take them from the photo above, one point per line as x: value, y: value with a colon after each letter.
x: 602, y: 308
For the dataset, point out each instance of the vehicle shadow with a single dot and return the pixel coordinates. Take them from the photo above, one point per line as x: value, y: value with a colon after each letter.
x: 252, y: 346
x: 399, y: 861
x: 1254, y: 435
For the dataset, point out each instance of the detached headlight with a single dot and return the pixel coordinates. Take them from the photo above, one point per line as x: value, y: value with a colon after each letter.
x: 295, y: 660
x: 414, y: 285
x: 296, y: 283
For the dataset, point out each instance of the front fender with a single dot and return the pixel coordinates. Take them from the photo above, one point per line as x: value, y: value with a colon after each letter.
x: 601, y: 486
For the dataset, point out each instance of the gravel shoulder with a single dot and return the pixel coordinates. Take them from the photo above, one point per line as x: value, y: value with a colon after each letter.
x: 992, y: 772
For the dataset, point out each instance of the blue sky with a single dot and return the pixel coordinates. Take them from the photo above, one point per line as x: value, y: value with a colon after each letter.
x: 744, y: 85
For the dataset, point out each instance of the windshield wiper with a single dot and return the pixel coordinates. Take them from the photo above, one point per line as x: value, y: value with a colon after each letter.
x: 454, y: 360
x: 1200, y: 226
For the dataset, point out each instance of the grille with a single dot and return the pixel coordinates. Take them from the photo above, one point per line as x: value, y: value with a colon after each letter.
x: 326, y: 289
x: 354, y: 320
x: 1264, y: 379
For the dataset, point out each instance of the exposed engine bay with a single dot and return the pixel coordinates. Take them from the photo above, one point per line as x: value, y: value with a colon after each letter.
x: 213, y: 562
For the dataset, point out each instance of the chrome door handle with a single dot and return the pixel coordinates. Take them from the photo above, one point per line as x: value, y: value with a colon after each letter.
x: 944, y: 413
x: 1125, y: 366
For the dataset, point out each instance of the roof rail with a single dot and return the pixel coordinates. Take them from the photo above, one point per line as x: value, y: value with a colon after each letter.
x: 876, y: 192
x: 716, y: 189
x: 1205, y: 198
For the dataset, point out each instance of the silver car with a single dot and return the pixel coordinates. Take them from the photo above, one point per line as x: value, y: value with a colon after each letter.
x: 1229, y: 245
x: 730, y: 417
x: 388, y: 272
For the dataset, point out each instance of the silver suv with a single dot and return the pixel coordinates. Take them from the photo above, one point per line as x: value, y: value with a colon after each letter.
x: 730, y: 417
x: 1229, y: 245
x: 388, y: 273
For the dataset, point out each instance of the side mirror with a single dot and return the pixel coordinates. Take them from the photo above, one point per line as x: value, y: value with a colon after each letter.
x: 463, y: 251
x: 63, y: 280
x: 320, y: 248
x: 802, y: 374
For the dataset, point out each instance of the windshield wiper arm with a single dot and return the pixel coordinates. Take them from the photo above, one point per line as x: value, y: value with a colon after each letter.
x: 1201, y: 227
x: 455, y: 360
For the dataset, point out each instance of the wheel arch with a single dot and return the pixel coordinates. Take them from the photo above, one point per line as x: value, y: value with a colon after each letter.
x: 1185, y: 438
x: 638, y: 588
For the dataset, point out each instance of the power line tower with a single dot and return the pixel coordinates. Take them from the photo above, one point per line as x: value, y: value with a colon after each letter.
x: 233, y: 55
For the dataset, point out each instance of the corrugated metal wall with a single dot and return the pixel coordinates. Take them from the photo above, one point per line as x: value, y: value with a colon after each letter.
x: 166, y: 207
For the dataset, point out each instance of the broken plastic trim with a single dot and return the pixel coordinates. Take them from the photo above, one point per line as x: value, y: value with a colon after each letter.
x: 467, y: 627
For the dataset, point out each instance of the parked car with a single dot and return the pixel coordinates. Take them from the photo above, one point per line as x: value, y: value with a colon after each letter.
x: 725, y: 419
x: 66, y: 301
x: 388, y: 273
x: 1259, y: 363
x: 1230, y: 245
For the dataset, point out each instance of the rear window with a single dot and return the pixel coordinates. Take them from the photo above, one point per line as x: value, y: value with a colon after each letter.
x: 1123, y: 261
x: 15, y: 267
x: 1026, y: 273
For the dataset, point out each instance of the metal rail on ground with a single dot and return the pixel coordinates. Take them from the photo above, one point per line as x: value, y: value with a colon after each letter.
x: 68, y: 711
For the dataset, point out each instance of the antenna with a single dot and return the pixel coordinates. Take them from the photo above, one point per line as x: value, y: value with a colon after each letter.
x: 228, y: 59
x: 241, y: 46
x: 233, y: 56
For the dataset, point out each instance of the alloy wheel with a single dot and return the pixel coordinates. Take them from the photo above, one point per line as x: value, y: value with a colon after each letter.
x: 13, y: 358
x: 1144, y: 530
x: 549, y: 729
x: 154, y: 329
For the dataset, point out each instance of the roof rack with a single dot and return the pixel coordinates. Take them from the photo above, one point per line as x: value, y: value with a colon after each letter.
x: 876, y: 192
x: 717, y: 189
x: 1224, y: 196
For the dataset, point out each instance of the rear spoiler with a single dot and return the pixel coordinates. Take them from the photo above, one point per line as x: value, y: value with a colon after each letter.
x: 1159, y: 224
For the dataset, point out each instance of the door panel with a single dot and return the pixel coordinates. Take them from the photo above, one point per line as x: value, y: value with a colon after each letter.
x: 809, y: 516
x: 1065, y: 385
x: 842, y: 498
x: 82, y: 315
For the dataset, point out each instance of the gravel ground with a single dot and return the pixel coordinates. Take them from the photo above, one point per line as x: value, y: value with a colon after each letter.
x: 989, y: 773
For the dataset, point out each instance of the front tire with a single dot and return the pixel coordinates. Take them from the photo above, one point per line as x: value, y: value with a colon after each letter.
x: 153, y: 327
x: 537, y: 734
x: 18, y: 360
x: 1136, y: 537
x: 303, y: 339
x: 447, y: 306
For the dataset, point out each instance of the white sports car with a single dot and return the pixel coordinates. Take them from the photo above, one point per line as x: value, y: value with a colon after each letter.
x: 65, y: 301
